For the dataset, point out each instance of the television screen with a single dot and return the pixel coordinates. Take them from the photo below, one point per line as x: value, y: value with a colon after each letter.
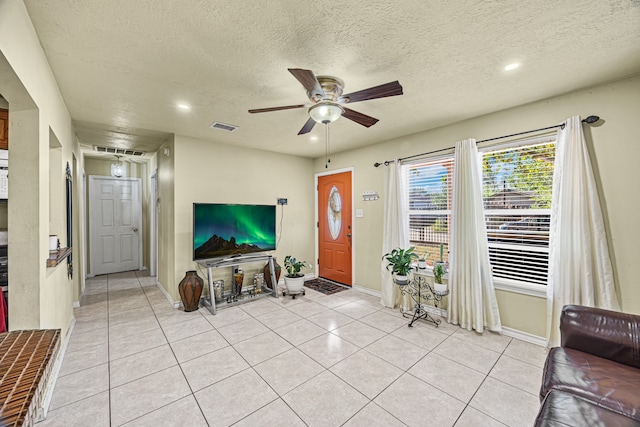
x: 221, y: 230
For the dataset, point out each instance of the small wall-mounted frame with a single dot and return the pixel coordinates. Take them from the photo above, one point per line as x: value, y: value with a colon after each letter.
x: 369, y: 195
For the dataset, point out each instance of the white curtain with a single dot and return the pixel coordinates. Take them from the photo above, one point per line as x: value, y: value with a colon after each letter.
x: 472, y: 298
x: 579, y: 264
x: 395, y: 229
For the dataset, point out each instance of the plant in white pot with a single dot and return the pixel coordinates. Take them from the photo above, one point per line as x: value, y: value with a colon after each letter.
x: 438, y: 272
x: 294, y: 280
x: 399, y: 263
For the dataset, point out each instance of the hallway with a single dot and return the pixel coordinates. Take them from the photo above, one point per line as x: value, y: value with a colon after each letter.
x: 317, y: 360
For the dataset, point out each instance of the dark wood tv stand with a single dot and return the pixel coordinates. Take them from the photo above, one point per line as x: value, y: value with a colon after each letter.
x: 233, y: 262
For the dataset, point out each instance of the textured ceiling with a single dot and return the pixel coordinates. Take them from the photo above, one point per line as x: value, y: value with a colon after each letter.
x: 123, y: 65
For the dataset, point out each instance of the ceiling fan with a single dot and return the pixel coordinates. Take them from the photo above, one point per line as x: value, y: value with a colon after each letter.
x: 325, y: 93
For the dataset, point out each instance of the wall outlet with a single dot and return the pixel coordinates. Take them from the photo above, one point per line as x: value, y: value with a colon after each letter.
x: 282, y: 201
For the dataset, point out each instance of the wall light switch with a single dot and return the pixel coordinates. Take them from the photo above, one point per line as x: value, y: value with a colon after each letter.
x: 359, y: 213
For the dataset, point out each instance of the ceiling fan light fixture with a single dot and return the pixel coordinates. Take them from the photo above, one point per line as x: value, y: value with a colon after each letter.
x: 325, y: 112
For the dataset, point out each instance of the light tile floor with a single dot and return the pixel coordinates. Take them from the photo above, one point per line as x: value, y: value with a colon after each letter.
x: 317, y: 361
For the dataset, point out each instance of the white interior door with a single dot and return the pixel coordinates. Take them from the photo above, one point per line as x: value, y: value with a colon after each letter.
x: 115, y: 220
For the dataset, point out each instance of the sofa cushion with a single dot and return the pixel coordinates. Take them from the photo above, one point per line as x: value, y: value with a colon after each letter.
x: 563, y: 409
x: 607, y: 383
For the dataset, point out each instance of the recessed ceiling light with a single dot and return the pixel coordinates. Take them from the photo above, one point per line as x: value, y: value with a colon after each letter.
x: 313, y: 138
x: 184, y: 107
x: 512, y: 66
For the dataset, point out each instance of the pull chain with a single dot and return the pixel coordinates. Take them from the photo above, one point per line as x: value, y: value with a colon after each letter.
x: 327, y: 147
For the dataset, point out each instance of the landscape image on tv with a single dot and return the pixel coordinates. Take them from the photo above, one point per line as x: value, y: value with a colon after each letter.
x: 223, y: 229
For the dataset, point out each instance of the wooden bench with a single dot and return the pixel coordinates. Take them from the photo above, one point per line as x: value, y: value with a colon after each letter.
x: 26, y: 360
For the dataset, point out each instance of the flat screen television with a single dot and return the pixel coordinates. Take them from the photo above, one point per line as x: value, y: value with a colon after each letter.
x: 223, y: 230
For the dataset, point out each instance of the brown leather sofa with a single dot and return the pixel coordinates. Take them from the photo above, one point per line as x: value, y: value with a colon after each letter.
x: 593, y: 378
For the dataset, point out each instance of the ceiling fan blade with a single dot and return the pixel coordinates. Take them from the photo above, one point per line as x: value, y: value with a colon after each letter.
x: 307, y: 126
x: 359, y: 118
x: 266, y: 110
x: 382, y: 91
x: 309, y: 81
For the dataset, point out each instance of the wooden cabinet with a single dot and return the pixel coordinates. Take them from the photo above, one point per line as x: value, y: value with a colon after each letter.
x: 4, y: 129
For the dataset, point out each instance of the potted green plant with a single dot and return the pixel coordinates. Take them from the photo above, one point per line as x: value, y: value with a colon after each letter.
x: 294, y: 280
x: 399, y: 263
x: 438, y: 272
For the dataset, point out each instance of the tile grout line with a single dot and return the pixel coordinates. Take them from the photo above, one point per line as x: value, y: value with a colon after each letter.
x: 386, y: 334
x: 109, y: 348
x: 177, y: 362
x: 468, y: 404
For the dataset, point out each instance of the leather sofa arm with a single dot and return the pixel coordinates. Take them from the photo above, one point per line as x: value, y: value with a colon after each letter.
x: 604, y: 333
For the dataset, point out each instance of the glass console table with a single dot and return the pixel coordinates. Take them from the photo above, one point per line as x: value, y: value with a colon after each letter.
x: 234, y: 262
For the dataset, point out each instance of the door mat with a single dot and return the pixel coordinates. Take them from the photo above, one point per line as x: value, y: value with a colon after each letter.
x: 327, y: 287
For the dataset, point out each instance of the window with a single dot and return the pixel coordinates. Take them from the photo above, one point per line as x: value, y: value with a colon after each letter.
x: 517, y: 178
x: 428, y: 195
x: 517, y: 183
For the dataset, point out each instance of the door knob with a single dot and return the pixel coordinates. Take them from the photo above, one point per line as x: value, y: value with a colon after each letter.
x: 349, y: 235
x: 135, y: 229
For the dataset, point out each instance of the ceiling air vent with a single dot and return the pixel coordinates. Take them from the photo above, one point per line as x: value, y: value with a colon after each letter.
x: 122, y: 151
x: 223, y: 126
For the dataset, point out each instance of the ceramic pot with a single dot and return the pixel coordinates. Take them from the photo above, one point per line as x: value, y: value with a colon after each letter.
x: 190, y: 289
x: 440, y: 288
x: 267, y: 273
x: 400, y: 279
x: 294, y: 284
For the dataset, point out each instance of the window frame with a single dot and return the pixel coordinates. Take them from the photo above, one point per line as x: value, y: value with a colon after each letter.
x: 448, y: 156
x: 500, y: 283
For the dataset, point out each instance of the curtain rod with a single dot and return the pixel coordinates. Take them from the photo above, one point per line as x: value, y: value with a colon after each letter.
x: 589, y: 120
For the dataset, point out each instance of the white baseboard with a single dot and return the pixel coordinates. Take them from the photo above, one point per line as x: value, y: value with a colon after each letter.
x: 367, y: 291
x: 435, y: 310
x: 524, y: 336
x: 51, y: 382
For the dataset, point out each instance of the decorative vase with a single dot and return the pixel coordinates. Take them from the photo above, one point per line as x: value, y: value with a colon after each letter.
x: 218, y: 290
x: 238, y: 278
x: 190, y: 289
x: 258, y: 282
x: 267, y: 273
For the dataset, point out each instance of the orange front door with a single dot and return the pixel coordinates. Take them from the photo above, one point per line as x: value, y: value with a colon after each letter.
x: 334, y: 227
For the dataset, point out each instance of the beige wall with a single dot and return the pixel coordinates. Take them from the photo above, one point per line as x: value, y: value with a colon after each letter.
x: 166, y: 219
x: 38, y: 297
x: 615, y: 150
x: 216, y: 173
x: 102, y: 167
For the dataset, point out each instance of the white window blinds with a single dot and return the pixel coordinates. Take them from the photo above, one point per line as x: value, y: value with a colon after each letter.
x: 517, y: 183
x: 428, y: 189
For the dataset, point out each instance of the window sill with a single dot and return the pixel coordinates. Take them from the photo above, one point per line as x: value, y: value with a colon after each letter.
x: 539, y: 291
x: 428, y: 272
